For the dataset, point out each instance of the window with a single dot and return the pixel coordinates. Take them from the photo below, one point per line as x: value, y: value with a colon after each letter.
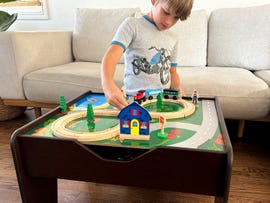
x: 134, y: 112
x: 144, y: 125
x: 125, y: 124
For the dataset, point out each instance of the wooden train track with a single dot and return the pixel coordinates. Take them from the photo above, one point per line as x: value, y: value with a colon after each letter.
x: 59, y: 126
x: 59, y: 129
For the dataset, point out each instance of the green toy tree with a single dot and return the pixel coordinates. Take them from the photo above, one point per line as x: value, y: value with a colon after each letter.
x: 91, y: 126
x: 159, y: 101
x: 63, y: 104
x: 90, y: 113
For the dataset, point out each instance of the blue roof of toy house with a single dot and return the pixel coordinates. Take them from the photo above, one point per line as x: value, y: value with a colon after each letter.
x: 134, y: 105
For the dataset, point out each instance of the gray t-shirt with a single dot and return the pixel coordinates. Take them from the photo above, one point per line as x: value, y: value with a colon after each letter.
x: 149, y: 54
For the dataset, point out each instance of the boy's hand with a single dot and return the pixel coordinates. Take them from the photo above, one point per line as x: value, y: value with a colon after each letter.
x: 115, y: 96
x: 175, y: 82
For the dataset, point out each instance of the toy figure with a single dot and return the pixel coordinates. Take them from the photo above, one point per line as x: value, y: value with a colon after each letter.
x: 195, y: 97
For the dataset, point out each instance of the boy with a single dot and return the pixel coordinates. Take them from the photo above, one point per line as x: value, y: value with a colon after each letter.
x: 149, y: 47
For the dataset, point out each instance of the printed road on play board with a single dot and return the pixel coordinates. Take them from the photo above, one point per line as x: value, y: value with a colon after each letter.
x: 203, y: 131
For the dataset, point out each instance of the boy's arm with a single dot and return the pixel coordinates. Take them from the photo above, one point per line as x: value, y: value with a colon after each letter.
x: 175, y: 81
x: 113, y: 94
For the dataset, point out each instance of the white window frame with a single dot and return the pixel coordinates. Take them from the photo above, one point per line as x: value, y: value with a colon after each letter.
x: 29, y: 12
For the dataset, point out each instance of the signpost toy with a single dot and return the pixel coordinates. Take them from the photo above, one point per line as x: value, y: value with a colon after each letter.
x: 162, y: 134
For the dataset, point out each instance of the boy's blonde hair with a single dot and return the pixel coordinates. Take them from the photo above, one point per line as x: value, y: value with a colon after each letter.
x: 181, y: 8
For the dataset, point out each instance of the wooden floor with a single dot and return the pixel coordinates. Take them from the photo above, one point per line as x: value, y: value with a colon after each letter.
x: 250, y: 177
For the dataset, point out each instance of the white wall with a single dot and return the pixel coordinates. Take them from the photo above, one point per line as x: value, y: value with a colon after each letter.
x: 61, y: 12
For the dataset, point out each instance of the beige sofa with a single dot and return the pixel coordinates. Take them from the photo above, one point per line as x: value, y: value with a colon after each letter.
x: 226, y: 54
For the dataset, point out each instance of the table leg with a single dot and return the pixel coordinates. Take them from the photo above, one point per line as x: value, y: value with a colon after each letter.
x: 38, y: 190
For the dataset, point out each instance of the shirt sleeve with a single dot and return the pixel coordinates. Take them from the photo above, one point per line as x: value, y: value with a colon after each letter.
x: 124, y: 33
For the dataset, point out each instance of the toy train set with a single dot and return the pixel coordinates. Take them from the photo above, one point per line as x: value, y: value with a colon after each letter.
x: 134, y: 119
x: 150, y: 94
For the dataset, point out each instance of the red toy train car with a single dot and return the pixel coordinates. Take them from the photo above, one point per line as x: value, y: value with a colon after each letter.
x: 140, y: 96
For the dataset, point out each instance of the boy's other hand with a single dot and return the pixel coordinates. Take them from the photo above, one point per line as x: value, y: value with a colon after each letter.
x: 182, y: 92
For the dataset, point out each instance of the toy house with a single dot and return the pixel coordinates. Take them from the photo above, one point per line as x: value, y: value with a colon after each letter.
x: 134, y: 122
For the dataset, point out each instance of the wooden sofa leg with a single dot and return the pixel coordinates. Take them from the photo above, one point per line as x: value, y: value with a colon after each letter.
x: 37, y: 112
x: 241, y: 127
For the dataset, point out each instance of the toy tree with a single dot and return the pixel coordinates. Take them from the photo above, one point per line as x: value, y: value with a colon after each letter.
x: 90, y: 113
x: 91, y: 126
x: 159, y: 101
x: 63, y: 104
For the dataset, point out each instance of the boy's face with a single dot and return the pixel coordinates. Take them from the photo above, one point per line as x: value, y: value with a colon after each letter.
x: 162, y: 16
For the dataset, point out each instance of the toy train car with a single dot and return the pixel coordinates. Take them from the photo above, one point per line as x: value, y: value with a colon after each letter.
x: 171, y: 94
x: 143, y: 95
x: 152, y: 93
x: 140, y: 96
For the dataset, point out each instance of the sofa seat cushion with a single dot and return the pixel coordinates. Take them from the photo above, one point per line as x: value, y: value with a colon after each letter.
x: 264, y: 75
x: 241, y: 94
x: 70, y: 80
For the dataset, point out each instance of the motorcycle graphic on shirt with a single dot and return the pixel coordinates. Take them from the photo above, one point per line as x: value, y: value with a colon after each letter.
x: 159, y: 64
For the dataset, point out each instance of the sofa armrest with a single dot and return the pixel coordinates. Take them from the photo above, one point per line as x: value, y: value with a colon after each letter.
x: 24, y: 52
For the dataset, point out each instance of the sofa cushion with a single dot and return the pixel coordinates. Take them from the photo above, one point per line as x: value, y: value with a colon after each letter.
x: 238, y: 98
x: 94, y: 30
x: 22, y: 52
x: 70, y: 80
x: 192, y: 34
x: 239, y: 37
x: 264, y: 75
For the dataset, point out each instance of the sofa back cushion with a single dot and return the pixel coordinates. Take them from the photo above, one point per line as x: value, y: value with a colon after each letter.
x: 192, y: 33
x: 240, y: 37
x: 94, y: 30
